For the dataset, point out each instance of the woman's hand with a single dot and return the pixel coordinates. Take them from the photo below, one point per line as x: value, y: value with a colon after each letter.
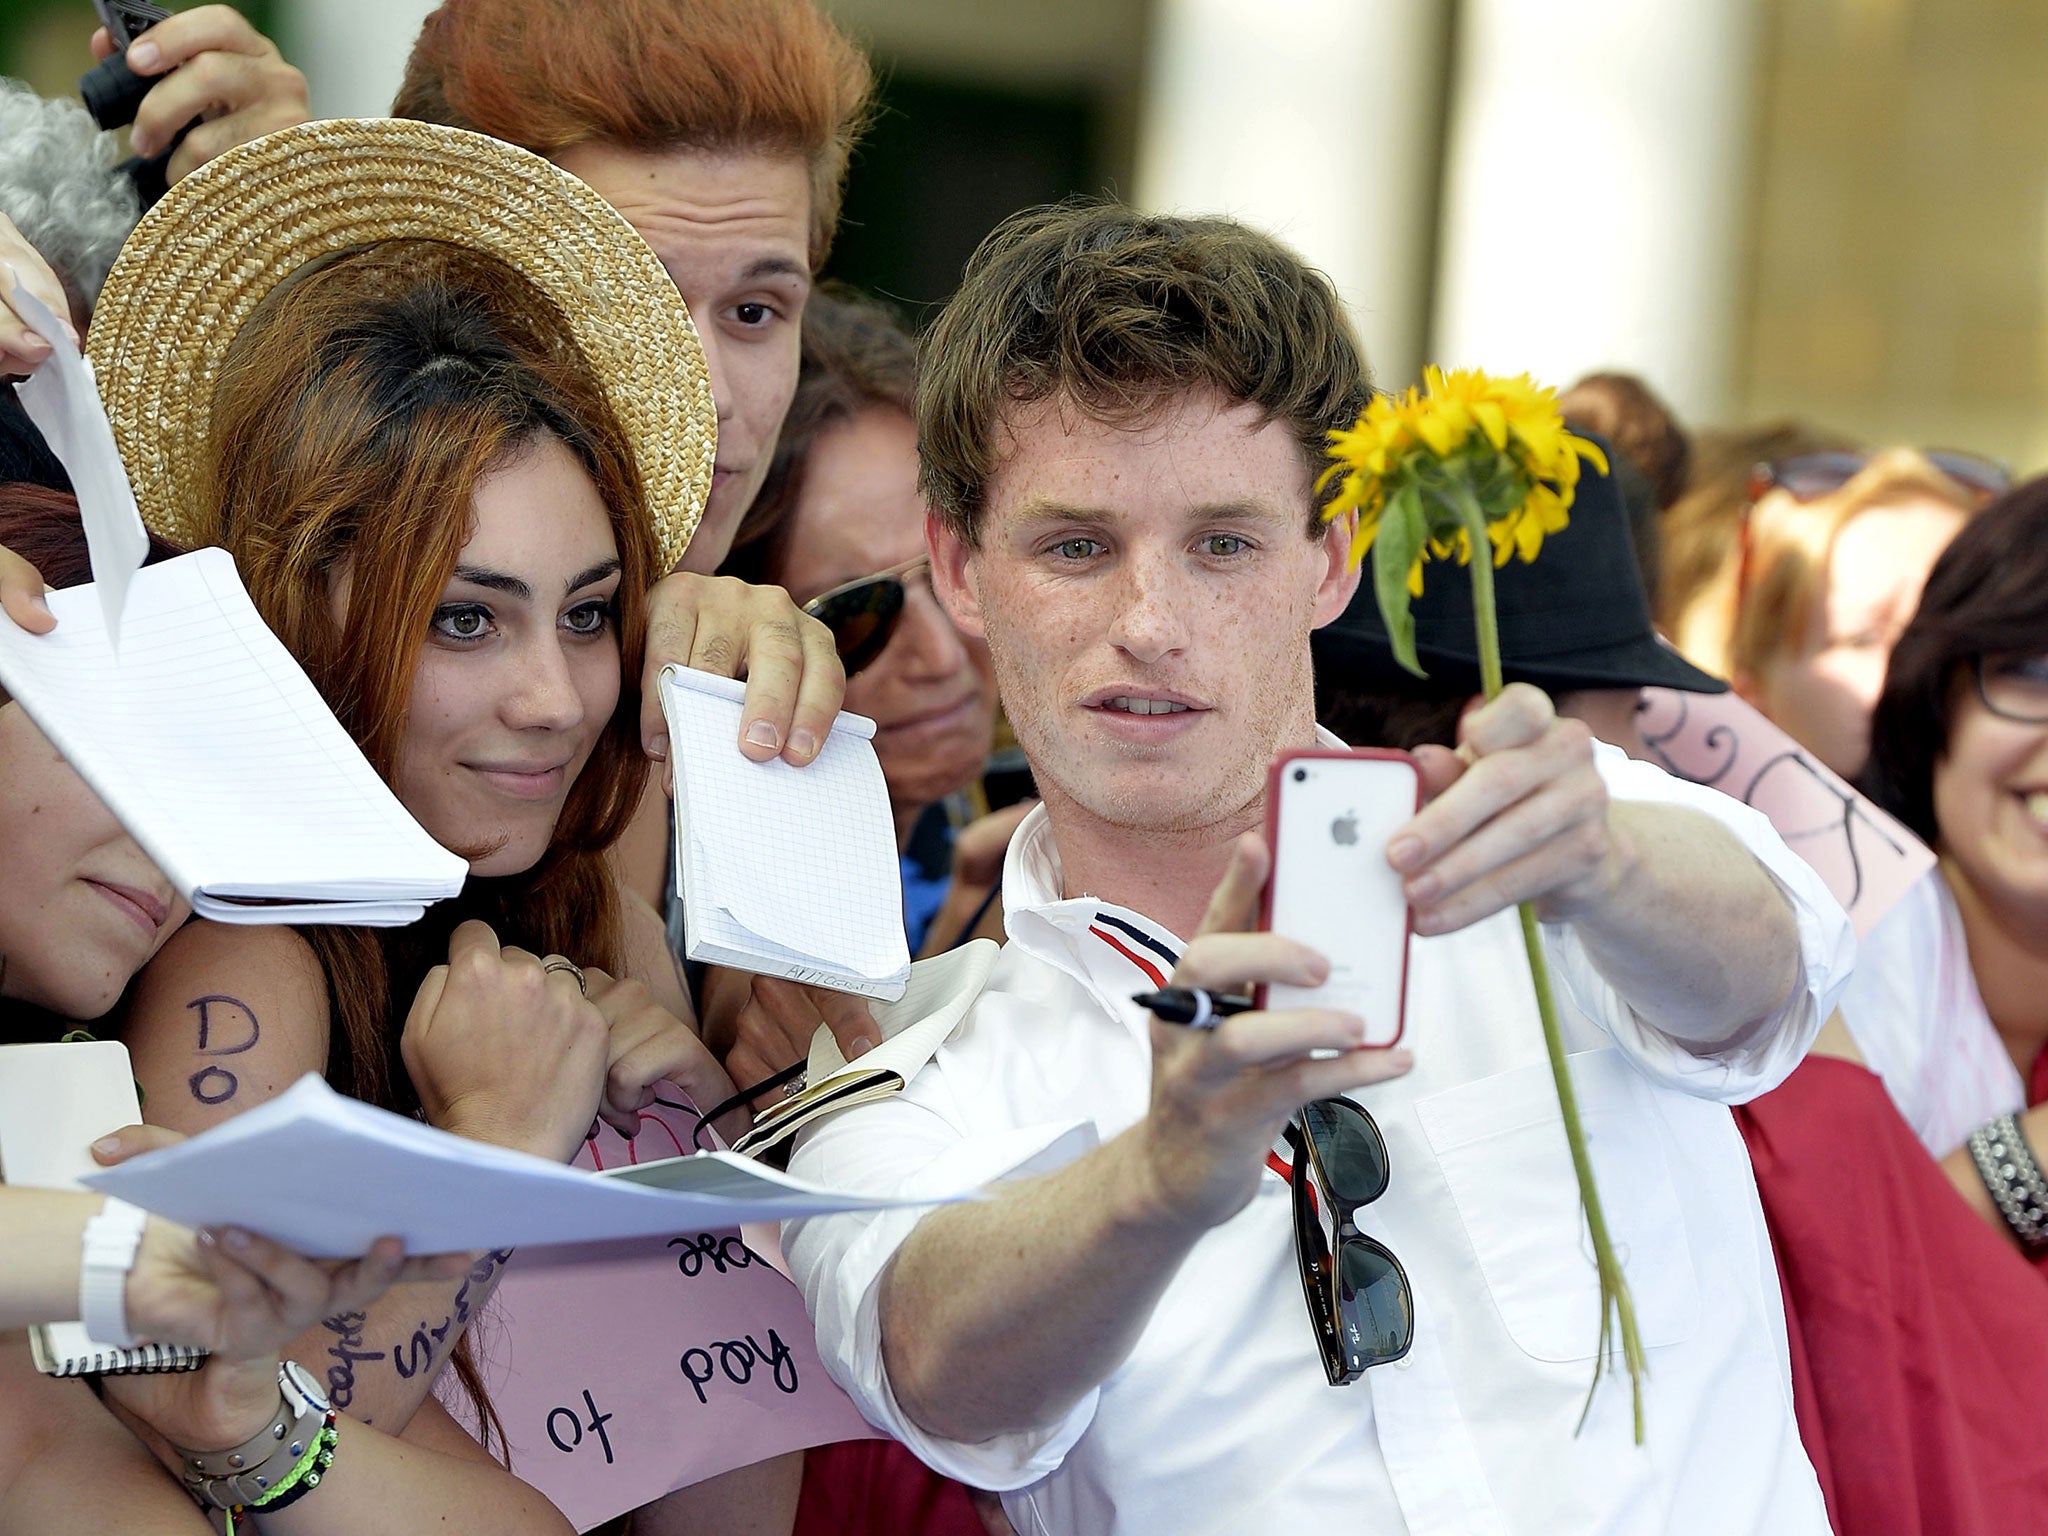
x: 22, y: 351
x: 504, y: 1050
x: 239, y: 1295
x: 649, y: 1045
x: 21, y: 588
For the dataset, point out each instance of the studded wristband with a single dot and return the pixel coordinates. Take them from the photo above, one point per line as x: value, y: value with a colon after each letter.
x: 245, y: 1474
x: 2013, y: 1179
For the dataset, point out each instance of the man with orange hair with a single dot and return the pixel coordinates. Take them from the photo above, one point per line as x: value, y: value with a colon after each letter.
x: 719, y: 128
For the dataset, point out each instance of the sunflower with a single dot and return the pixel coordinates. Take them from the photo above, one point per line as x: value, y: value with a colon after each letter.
x: 1466, y: 462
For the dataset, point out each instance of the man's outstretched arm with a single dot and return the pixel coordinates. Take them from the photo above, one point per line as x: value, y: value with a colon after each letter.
x: 1680, y: 917
x: 998, y: 1316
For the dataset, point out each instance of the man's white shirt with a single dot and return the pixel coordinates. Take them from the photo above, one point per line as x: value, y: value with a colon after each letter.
x: 1221, y: 1419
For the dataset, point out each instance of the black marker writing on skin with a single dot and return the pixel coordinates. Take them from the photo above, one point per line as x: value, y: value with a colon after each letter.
x: 347, y: 1353
x: 557, y: 1417
x: 227, y: 1027
x: 410, y: 1356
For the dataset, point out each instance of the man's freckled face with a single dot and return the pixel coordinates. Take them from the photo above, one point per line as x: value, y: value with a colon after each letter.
x: 1147, y: 594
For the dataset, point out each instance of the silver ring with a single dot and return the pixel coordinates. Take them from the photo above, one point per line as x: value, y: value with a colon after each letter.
x: 794, y: 1086
x: 558, y: 963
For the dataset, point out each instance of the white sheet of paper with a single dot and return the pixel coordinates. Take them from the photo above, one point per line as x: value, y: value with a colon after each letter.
x: 64, y: 403
x: 327, y: 1175
x: 785, y: 869
x: 207, y: 739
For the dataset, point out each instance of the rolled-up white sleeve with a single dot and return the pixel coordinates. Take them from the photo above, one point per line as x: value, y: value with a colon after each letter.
x: 906, y: 1148
x: 1827, y: 952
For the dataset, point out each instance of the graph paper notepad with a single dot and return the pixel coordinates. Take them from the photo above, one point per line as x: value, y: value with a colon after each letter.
x: 786, y: 871
x: 214, y: 750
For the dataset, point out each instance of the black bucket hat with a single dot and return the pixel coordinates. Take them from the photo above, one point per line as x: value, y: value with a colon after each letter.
x: 1576, y: 617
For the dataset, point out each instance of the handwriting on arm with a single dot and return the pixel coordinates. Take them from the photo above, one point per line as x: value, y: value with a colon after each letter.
x: 227, y: 1027
x: 415, y: 1354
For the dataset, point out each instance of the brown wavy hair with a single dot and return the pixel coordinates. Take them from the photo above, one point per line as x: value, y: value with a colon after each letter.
x: 1118, y: 311
x: 358, y: 411
x: 649, y: 74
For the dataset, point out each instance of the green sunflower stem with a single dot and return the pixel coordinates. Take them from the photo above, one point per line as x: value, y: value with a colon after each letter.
x: 1617, y: 1306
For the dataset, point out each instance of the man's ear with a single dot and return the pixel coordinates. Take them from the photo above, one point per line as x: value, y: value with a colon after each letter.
x: 953, y: 576
x: 1340, y: 576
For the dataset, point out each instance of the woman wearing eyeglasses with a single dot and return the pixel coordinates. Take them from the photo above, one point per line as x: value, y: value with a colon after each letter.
x: 1829, y: 561
x: 1949, y: 1003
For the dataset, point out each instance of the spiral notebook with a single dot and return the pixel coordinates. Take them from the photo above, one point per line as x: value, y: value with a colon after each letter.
x: 785, y: 871
x: 56, y: 1100
x: 212, y: 747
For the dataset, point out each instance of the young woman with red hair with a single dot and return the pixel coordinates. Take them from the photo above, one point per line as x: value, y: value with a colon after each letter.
x: 82, y: 910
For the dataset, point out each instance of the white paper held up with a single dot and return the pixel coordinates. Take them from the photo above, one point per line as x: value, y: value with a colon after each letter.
x: 64, y: 403
x: 784, y: 871
x: 328, y: 1175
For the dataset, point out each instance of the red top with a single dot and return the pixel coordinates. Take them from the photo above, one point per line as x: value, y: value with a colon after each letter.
x: 1919, y: 1334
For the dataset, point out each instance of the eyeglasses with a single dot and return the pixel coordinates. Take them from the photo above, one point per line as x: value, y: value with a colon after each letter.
x: 1806, y: 476
x: 1359, y: 1302
x: 862, y: 614
x: 2015, y: 687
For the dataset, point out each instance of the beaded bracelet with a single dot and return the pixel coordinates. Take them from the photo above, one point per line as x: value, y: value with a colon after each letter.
x: 297, y: 1483
x: 2013, y: 1179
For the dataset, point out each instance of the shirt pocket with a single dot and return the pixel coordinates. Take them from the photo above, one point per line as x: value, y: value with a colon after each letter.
x: 1501, y: 1145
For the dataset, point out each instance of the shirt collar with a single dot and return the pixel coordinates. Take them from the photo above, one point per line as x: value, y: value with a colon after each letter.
x: 1111, y: 950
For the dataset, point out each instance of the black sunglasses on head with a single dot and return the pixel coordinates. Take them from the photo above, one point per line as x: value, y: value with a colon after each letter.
x: 1358, y: 1297
x: 862, y: 614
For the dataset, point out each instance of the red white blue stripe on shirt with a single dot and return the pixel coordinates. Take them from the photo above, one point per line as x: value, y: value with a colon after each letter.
x: 1146, y: 952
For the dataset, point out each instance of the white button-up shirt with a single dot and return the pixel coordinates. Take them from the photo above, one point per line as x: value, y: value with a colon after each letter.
x: 1221, y: 1420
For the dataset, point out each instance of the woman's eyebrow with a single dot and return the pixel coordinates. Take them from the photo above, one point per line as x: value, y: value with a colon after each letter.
x: 595, y: 573
x: 496, y: 581
x: 516, y: 587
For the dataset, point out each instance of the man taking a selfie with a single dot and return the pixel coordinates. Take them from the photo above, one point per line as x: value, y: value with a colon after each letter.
x: 1122, y: 420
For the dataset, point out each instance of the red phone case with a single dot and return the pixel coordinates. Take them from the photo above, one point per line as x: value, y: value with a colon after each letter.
x: 1273, y: 773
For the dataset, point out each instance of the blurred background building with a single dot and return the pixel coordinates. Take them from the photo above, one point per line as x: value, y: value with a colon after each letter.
x: 1829, y: 209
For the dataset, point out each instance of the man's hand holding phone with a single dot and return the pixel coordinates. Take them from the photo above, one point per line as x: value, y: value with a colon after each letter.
x: 1518, y: 812
x: 1220, y: 1097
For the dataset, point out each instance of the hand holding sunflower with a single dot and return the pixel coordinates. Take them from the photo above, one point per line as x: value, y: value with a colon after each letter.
x: 1470, y: 462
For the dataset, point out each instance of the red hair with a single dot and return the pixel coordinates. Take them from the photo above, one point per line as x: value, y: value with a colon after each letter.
x: 650, y: 74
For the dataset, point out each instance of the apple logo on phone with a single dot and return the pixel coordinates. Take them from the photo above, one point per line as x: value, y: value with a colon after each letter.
x: 1344, y: 830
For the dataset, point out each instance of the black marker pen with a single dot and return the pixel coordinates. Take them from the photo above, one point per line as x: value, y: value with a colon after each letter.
x: 1193, y: 1006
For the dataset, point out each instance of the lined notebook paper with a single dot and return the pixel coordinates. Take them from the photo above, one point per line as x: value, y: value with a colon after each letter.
x: 214, y: 750
x: 785, y: 871
x: 56, y: 1100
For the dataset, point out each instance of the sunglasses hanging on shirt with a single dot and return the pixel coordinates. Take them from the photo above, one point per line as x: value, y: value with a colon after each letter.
x: 1359, y: 1301
x: 862, y: 614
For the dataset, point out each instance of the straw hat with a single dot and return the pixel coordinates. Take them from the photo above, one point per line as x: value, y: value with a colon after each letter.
x: 223, y: 238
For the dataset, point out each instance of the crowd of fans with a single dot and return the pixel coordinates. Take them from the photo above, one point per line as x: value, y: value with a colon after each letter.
x: 1083, y: 510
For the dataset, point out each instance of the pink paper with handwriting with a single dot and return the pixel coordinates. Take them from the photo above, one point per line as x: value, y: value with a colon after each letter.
x: 625, y: 1370
x: 1867, y: 859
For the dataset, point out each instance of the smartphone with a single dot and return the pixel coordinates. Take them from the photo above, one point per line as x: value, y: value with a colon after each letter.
x: 1329, y: 817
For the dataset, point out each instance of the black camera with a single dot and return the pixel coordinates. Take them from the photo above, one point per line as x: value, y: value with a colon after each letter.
x: 111, y: 90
